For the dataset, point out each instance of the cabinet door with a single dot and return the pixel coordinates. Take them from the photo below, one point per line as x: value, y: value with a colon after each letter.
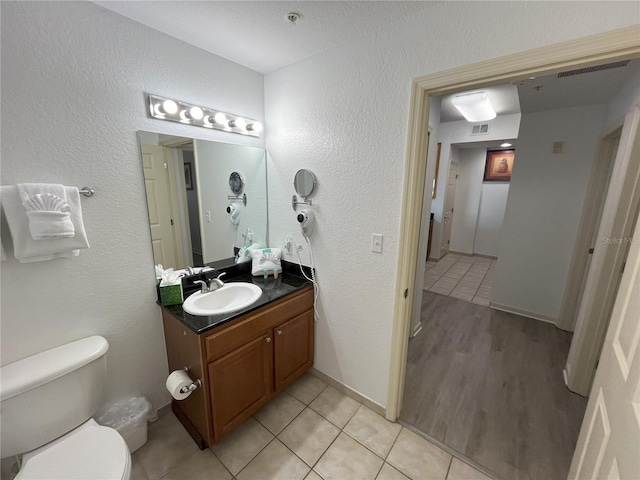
x: 293, y: 349
x: 240, y: 384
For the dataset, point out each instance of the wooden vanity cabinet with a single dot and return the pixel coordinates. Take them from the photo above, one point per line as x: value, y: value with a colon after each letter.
x: 243, y: 363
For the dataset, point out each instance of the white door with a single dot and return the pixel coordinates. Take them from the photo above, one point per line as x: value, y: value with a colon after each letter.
x: 158, y: 200
x: 449, y: 199
x: 609, y: 442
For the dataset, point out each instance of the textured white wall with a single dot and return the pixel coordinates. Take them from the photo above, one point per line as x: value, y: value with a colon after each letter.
x: 73, y: 78
x: 545, y: 204
x: 343, y: 114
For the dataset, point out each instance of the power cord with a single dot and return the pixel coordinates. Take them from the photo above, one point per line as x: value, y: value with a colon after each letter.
x: 313, y: 274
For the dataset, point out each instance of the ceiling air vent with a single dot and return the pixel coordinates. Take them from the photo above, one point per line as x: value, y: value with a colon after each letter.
x: 597, y: 68
x: 480, y: 129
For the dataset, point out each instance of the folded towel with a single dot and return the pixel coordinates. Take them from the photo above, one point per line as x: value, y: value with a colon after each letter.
x: 47, y: 209
x: 265, y: 260
x: 25, y: 248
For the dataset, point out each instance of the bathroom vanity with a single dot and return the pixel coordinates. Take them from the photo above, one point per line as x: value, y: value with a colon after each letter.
x: 243, y: 359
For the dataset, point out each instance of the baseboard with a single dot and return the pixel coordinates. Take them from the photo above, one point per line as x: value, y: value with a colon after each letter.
x: 417, y: 330
x: 524, y: 313
x: 348, y: 391
x: 465, y: 254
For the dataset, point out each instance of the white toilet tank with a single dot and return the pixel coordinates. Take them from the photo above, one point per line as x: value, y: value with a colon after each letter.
x: 49, y: 394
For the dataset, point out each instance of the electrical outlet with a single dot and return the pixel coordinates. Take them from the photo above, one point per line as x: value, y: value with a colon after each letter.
x: 287, y: 246
x: 207, y: 215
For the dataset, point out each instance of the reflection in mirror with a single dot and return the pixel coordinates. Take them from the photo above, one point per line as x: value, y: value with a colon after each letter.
x: 187, y: 183
x: 236, y: 183
x: 304, y: 183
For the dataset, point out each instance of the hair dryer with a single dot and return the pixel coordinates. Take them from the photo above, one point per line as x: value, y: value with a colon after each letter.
x: 307, y: 222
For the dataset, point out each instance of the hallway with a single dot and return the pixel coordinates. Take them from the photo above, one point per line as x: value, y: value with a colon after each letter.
x: 489, y: 385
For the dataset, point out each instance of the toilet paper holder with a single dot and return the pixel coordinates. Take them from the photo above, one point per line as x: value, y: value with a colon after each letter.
x: 194, y: 385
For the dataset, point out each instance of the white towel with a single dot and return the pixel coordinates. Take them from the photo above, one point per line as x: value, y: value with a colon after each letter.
x: 48, y: 210
x: 25, y: 248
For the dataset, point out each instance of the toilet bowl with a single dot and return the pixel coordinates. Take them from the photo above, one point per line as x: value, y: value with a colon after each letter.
x: 90, y: 452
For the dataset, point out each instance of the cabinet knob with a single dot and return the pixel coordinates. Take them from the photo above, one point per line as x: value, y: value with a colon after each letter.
x: 268, y: 339
x: 279, y: 332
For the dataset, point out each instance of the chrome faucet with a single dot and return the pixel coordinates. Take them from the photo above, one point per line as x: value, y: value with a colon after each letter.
x: 190, y: 271
x: 214, y: 284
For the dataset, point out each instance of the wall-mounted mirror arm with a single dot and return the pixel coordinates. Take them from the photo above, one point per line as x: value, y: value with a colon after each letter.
x: 295, y: 202
x: 242, y: 197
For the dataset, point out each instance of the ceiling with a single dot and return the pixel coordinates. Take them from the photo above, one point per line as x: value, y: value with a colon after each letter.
x: 258, y: 35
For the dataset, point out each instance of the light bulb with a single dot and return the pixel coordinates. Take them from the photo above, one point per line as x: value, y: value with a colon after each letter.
x: 220, y: 118
x: 238, y: 123
x: 196, y: 113
x: 505, y: 144
x: 170, y: 107
x: 255, y: 127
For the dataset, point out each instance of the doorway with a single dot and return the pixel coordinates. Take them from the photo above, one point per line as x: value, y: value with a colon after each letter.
x: 612, y: 46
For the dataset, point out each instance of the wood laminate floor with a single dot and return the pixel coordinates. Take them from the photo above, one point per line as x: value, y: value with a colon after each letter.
x: 489, y: 385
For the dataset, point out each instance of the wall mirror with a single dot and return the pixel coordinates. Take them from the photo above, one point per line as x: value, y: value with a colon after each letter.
x: 304, y: 183
x: 187, y: 182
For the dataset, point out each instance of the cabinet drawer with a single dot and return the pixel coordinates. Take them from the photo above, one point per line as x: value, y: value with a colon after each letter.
x: 252, y: 325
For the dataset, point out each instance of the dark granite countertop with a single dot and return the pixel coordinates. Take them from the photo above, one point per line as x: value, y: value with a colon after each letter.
x: 272, y: 289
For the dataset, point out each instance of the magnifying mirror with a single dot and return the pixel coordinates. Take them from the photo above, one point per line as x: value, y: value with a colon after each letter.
x: 304, y: 183
x: 236, y: 183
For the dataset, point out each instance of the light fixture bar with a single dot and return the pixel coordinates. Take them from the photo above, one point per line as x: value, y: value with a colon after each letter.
x: 475, y: 107
x: 182, y: 112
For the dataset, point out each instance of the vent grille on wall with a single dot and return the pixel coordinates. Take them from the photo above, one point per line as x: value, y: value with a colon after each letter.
x: 481, y: 129
x: 597, y: 68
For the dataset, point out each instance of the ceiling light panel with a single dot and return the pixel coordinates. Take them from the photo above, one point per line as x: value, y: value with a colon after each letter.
x: 475, y: 106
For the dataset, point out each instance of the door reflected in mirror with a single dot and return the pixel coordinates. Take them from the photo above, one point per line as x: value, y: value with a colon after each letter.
x: 188, y: 182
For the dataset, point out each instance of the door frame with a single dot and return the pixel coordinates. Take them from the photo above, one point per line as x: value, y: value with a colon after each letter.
x: 588, y: 223
x: 618, y: 218
x: 616, y: 45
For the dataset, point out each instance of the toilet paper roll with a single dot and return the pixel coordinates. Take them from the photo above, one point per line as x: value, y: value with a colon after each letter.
x: 176, y: 381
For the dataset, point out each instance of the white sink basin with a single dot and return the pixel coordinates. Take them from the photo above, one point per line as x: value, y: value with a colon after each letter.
x: 229, y: 298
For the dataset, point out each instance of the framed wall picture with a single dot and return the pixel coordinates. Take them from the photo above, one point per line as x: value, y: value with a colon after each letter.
x: 188, y: 175
x: 499, y: 165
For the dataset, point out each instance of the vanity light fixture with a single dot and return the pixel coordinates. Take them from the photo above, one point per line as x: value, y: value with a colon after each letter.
x: 475, y: 106
x: 505, y: 144
x: 183, y: 112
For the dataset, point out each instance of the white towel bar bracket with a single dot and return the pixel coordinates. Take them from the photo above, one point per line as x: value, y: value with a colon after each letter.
x: 87, y: 192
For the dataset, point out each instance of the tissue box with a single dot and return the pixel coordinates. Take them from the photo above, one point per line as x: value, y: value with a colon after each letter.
x: 171, y: 295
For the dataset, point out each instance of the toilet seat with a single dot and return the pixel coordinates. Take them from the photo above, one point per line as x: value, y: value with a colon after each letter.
x: 90, y: 452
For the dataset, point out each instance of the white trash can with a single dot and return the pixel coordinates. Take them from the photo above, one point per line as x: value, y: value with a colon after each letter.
x: 129, y: 417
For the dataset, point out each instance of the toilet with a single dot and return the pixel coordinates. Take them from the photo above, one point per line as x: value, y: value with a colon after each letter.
x: 46, y: 404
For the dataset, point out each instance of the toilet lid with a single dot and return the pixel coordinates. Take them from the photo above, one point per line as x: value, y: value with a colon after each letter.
x: 96, y: 453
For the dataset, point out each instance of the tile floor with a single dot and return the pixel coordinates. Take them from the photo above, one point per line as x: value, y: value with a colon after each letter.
x: 311, y: 431
x: 467, y: 278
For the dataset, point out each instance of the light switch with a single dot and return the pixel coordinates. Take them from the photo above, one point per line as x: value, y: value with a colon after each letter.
x: 207, y: 215
x: 376, y: 243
